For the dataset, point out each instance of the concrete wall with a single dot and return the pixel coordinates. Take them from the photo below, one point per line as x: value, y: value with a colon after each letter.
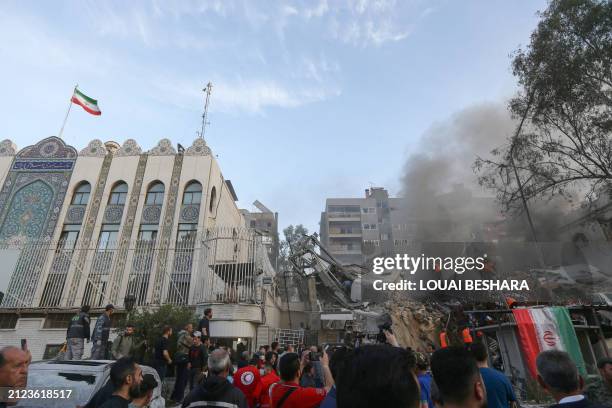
x: 31, y: 328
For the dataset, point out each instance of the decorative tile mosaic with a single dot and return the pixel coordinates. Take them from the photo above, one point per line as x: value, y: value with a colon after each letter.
x: 163, y: 148
x: 85, y: 237
x: 126, y: 232
x: 151, y: 214
x: 7, y: 148
x: 190, y: 213
x: 30, y: 203
x: 113, y: 214
x: 198, y: 148
x: 167, y: 226
x: 75, y: 214
x: 95, y: 148
x: 129, y: 148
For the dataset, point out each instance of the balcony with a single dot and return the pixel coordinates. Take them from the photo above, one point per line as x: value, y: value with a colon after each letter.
x: 343, y: 216
x: 345, y: 233
x: 345, y: 249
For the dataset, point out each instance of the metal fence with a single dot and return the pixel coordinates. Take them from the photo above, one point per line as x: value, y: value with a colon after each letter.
x: 287, y: 337
x: 232, y: 267
x: 223, y: 265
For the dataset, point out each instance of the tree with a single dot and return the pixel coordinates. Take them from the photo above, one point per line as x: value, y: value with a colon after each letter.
x: 292, y: 235
x: 565, y: 76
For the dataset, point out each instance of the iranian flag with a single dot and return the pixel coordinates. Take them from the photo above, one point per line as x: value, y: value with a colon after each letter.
x: 548, y: 328
x: 90, y: 105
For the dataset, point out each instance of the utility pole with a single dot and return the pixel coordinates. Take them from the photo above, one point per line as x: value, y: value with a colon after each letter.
x: 208, y: 91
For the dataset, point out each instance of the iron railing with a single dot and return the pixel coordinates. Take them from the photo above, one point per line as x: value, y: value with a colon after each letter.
x: 225, y: 265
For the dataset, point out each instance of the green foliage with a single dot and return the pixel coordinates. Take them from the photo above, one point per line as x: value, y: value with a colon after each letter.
x: 566, y: 99
x: 292, y: 235
x: 148, y: 324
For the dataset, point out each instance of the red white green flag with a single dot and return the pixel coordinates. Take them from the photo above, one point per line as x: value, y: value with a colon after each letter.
x: 548, y: 328
x: 89, y: 104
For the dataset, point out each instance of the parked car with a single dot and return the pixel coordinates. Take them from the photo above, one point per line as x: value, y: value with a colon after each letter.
x: 83, y: 377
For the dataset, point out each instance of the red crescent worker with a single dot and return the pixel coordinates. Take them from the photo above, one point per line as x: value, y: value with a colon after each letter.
x: 288, y: 394
x: 248, y: 380
x: 270, y: 377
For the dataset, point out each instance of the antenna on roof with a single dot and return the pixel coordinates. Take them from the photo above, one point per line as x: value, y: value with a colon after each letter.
x: 208, y: 91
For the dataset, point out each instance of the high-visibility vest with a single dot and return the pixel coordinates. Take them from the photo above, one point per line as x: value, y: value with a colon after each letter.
x: 467, y: 337
x: 443, y: 340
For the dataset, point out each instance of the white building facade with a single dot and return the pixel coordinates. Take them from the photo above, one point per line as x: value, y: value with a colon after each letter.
x: 113, y: 223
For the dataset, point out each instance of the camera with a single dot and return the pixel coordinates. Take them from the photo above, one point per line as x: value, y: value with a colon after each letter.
x: 383, y: 322
x: 314, y: 356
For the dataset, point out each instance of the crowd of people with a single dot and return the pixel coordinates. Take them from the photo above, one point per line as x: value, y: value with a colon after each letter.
x: 295, y: 376
x: 190, y: 359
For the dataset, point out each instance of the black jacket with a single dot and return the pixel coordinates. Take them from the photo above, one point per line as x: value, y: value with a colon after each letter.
x: 198, y: 356
x: 78, y: 328
x: 101, y: 396
x: 579, y: 404
x: 217, y: 389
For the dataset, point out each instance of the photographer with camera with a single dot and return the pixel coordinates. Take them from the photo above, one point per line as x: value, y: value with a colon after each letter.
x: 307, y: 379
x: 313, y: 371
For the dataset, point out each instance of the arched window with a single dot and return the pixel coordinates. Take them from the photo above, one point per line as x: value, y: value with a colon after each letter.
x: 155, y: 195
x: 213, y: 196
x: 118, y: 194
x: 193, y: 193
x: 81, y: 194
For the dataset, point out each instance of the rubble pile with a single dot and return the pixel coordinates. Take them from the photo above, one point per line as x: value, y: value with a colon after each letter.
x: 415, y: 324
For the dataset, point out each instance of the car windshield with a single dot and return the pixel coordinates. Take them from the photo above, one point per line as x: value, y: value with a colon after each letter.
x: 81, y: 384
x: 608, y: 295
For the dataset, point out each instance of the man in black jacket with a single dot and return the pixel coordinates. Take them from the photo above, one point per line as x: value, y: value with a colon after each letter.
x: 216, y: 388
x: 198, y: 358
x: 558, y: 375
x: 126, y: 377
x: 78, y: 331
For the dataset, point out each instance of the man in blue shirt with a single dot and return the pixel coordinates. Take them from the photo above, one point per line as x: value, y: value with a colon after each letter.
x: 499, y: 389
x: 424, y: 377
x: 336, y: 362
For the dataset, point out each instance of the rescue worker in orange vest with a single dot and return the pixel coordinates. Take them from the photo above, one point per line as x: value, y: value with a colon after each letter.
x: 467, y: 337
x: 443, y: 339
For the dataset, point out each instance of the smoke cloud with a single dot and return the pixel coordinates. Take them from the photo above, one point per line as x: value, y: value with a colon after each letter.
x: 440, y: 184
x: 447, y: 150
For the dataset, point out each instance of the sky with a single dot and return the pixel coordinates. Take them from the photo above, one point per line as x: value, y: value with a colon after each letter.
x: 311, y: 99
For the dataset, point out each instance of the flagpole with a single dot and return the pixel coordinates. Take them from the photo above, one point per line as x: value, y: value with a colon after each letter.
x: 67, y: 112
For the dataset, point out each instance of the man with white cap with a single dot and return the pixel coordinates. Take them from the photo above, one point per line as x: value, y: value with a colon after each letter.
x: 198, y: 357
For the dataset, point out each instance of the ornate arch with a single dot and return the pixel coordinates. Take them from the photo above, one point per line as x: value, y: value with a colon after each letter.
x: 28, y: 211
